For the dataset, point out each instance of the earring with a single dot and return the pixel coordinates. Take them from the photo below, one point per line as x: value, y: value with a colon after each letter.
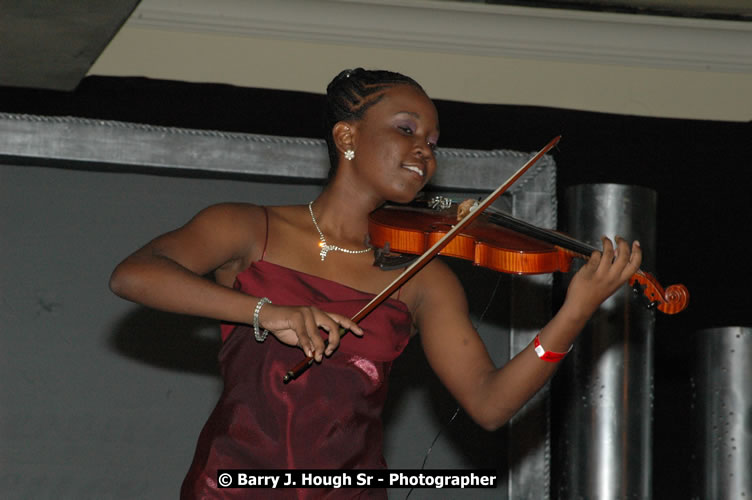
x: 349, y: 154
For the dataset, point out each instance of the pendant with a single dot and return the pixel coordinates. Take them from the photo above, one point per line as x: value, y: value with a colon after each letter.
x: 324, y: 250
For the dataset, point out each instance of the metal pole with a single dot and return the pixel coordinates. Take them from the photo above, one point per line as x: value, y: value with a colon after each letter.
x: 602, y: 395
x: 722, y: 414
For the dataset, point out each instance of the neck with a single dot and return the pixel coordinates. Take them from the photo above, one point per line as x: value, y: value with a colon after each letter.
x: 342, y: 215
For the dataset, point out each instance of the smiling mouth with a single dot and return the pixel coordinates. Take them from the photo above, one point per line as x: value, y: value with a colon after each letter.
x: 415, y: 169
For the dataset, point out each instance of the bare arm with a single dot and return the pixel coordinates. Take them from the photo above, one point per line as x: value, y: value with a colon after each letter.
x: 455, y: 351
x: 167, y: 274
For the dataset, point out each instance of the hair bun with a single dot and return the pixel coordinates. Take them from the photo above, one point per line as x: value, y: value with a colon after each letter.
x: 343, y: 75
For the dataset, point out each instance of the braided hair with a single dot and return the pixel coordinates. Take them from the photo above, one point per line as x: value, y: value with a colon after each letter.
x: 350, y: 94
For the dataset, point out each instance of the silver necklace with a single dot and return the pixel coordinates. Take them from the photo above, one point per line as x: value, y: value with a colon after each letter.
x: 325, y: 247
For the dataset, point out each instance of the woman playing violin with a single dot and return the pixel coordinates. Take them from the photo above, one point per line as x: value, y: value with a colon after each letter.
x: 297, y: 273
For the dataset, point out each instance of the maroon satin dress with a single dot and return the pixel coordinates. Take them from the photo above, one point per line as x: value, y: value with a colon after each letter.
x: 329, y: 418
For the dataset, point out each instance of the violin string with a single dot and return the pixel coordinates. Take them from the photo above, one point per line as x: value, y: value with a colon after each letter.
x: 457, y: 410
x: 501, y: 218
x: 546, y: 235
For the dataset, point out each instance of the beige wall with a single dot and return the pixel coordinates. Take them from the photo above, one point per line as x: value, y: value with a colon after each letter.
x: 642, y: 87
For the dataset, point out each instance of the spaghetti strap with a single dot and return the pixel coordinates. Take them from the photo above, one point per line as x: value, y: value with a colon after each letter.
x: 266, y: 236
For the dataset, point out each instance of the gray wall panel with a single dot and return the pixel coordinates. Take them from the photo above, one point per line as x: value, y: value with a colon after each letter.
x: 101, y: 398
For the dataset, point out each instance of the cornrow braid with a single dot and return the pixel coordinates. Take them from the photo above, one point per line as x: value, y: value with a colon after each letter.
x: 350, y: 94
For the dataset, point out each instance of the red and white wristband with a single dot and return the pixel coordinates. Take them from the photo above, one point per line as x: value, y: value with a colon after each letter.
x: 550, y: 356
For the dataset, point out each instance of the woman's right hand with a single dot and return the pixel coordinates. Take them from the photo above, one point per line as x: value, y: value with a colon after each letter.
x: 299, y: 326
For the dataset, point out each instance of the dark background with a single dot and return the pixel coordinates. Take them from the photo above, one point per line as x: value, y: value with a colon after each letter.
x: 698, y: 168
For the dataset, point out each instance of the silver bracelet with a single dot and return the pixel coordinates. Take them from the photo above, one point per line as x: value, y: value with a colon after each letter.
x: 260, y: 336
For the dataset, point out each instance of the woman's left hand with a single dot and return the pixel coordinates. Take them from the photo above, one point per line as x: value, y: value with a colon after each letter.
x: 603, y: 274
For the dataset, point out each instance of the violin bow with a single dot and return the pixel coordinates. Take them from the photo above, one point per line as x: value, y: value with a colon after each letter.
x: 421, y: 261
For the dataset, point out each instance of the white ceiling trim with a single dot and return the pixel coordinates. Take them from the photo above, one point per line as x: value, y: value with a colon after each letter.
x: 470, y: 28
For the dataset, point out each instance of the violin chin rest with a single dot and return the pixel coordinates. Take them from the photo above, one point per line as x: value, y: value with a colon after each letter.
x: 389, y: 261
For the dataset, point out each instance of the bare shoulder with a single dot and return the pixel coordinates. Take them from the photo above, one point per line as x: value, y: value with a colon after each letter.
x: 232, y: 211
x: 220, y: 235
x: 437, y: 290
x: 230, y: 221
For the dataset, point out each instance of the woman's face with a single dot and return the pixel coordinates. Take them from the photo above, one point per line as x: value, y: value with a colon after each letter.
x: 394, y: 143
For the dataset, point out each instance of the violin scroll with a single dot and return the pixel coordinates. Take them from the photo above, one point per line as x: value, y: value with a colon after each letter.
x: 672, y: 300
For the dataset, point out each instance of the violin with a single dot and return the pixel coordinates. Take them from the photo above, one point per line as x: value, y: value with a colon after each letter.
x: 438, y: 238
x: 497, y: 241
